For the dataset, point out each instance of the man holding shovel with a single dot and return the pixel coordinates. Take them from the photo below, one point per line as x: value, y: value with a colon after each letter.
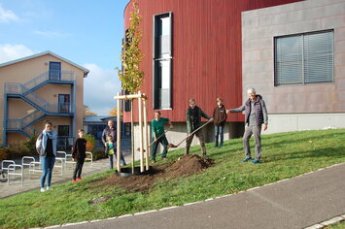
x: 158, y: 132
x: 194, y: 127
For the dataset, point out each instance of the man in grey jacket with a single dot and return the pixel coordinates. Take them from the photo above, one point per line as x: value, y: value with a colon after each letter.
x: 255, y: 119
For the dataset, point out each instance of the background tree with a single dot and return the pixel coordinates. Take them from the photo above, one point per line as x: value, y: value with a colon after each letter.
x: 113, y: 112
x: 88, y: 112
x: 130, y: 75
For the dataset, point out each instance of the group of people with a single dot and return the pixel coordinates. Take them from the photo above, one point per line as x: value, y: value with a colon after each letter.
x: 256, y: 119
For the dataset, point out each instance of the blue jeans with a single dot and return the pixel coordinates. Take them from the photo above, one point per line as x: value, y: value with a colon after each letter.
x: 47, y: 164
x: 219, y: 135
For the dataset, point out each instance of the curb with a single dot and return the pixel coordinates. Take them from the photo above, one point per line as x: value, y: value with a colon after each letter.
x: 326, y: 223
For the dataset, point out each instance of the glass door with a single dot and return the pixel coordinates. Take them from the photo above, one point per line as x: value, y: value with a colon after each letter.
x: 64, y: 103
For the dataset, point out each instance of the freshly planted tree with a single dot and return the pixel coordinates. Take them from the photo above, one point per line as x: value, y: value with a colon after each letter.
x: 130, y: 75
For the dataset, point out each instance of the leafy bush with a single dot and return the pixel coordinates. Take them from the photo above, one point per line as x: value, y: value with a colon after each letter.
x: 4, y: 153
x: 30, y: 145
x: 91, y: 142
x: 98, y: 154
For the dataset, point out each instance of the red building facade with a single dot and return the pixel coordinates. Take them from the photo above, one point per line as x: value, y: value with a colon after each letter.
x: 202, y: 53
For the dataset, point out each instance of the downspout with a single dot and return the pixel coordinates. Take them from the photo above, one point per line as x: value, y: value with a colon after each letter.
x: 4, y: 128
x: 74, y: 109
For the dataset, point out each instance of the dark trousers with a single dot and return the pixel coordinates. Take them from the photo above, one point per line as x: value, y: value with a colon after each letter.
x: 111, y: 159
x: 78, y: 169
x: 200, y: 135
x: 163, y: 140
x: 219, y: 135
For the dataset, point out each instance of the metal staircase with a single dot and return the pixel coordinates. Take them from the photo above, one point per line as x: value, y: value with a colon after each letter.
x: 27, y: 92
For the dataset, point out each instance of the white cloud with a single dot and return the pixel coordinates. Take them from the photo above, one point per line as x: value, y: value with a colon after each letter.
x: 10, y: 52
x: 7, y: 15
x: 100, y: 86
x: 51, y: 34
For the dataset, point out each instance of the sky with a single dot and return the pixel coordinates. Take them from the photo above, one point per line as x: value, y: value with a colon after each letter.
x: 88, y: 33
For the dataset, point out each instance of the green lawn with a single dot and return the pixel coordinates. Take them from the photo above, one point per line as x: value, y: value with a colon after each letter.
x: 340, y: 225
x: 285, y: 155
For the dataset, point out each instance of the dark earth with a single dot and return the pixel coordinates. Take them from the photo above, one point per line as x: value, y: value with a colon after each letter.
x: 186, y: 165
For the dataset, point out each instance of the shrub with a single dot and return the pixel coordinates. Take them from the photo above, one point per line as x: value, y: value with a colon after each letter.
x: 98, y: 154
x: 91, y: 142
x: 4, y: 153
x: 30, y: 146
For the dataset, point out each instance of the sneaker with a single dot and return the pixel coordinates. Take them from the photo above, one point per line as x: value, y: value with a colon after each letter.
x: 74, y: 181
x: 48, y: 188
x: 246, y: 159
x: 256, y: 161
x: 43, y: 190
x: 78, y: 179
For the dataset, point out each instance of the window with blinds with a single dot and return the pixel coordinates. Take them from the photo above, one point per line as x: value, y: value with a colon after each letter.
x: 304, y: 58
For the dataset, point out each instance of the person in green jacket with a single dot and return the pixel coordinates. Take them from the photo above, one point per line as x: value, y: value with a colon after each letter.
x: 158, y: 133
x: 193, y: 121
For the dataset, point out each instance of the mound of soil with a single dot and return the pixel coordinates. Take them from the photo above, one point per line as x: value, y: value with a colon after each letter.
x: 188, y: 165
x: 184, y: 166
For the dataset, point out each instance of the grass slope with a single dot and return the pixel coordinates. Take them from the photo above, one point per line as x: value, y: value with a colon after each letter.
x: 285, y: 155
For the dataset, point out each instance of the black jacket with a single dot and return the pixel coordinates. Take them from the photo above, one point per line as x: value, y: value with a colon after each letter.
x: 79, y: 149
x: 193, y: 118
x: 109, y: 132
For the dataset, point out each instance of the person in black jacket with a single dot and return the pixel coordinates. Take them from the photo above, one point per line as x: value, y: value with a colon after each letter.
x: 193, y: 120
x: 110, y: 131
x: 78, y: 155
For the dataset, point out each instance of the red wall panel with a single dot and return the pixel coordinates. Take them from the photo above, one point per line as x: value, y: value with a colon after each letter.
x: 207, y: 51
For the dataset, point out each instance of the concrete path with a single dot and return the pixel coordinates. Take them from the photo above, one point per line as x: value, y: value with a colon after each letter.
x: 31, y: 181
x: 295, y: 203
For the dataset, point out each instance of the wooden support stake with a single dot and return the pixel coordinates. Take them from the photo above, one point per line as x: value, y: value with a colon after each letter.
x: 132, y: 137
x: 146, y: 139
x: 141, y: 144
x: 118, y: 124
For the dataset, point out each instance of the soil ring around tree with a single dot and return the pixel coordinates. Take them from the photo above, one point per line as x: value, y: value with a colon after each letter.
x: 186, y: 165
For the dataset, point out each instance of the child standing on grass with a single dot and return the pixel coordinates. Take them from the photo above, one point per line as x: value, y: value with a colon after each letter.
x: 219, y: 116
x: 78, y: 155
x: 110, y: 151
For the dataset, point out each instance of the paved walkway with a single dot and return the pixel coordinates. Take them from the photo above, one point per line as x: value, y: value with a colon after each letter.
x: 31, y: 181
x: 295, y: 203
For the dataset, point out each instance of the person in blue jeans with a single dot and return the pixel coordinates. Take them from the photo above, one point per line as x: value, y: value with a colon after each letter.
x: 46, y: 147
x: 219, y: 120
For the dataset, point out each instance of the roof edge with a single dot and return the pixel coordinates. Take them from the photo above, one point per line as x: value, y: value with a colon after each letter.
x: 86, y: 71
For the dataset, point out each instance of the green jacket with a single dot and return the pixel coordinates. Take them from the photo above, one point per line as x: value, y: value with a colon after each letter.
x: 157, y: 126
x: 193, y: 119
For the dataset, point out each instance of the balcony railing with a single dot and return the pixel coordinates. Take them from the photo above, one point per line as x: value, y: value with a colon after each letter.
x: 19, y: 88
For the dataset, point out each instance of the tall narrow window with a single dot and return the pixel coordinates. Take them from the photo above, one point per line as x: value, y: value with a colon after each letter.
x: 162, y: 61
x: 304, y: 58
x: 54, y: 70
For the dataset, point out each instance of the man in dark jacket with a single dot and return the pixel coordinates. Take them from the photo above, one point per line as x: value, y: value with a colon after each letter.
x: 255, y: 119
x: 193, y: 120
x: 110, y: 131
x: 219, y: 120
